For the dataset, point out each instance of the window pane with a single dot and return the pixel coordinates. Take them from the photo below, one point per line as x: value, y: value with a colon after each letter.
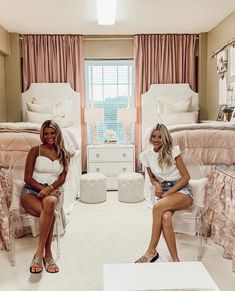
x: 109, y: 86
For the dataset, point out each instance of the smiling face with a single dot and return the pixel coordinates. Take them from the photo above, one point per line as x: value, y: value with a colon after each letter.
x: 156, y: 140
x: 49, y: 135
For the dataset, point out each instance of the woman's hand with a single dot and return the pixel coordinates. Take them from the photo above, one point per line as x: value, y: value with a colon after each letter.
x: 55, y: 192
x: 158, y: 190
x: 45, y: 192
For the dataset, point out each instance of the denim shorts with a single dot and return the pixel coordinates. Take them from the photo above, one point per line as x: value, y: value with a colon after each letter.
x: 187, y: 189
x: 28, y: 190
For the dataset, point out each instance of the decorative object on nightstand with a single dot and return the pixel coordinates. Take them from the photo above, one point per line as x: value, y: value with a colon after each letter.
x: 94, y: 116
x: 227, y: 111
x: 110, y: 160
x: 127, y: 116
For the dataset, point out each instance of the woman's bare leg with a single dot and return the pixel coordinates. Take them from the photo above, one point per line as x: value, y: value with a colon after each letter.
x: 176, y: 201
x: 169, y: 234
x: 46, y: 221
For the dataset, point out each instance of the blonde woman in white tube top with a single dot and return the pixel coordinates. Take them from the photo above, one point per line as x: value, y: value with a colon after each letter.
x: 45, y: 172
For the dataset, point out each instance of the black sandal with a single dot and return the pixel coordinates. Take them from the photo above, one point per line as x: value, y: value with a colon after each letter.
x: 36, y: 262
x: 144, y: 259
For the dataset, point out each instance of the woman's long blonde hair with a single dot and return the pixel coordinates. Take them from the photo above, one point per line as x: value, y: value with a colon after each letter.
x: 62, y: 154
x: 165, y: 152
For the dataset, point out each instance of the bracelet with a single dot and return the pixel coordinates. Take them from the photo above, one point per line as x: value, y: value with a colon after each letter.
x: 52, y: 188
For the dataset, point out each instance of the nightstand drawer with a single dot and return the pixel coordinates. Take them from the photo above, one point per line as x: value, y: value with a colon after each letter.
x: 110, y: 154
x: 111, y: 169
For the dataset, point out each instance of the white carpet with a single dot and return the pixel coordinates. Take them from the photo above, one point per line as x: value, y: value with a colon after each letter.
x: 110, y: 232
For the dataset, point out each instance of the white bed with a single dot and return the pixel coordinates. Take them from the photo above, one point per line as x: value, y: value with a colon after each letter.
x: 206, y: 144
x: 16, y: 138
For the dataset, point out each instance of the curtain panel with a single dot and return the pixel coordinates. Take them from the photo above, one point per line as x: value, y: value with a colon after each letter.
x: 160, y: 59
x: 56, y: 59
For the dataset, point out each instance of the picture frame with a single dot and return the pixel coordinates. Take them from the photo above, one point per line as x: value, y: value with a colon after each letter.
x: 220, y: 116
x: 232, y: 119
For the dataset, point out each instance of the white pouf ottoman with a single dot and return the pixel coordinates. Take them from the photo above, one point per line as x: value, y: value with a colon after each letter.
x: 130, y: 187
x: 93, y: 188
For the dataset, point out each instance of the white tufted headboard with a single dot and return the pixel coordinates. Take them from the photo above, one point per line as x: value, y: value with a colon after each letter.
x: 176, y: 92
x: 53, y: 93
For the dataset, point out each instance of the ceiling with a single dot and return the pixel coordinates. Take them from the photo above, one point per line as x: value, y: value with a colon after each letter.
x: 133, y: 16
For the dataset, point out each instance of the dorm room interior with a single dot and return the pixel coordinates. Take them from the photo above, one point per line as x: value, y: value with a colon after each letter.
x: 107, y: 86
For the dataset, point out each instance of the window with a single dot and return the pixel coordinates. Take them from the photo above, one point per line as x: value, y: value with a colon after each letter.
x: 109, y: 85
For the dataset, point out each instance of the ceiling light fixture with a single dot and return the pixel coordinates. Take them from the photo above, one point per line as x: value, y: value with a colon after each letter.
x: 106, y: 11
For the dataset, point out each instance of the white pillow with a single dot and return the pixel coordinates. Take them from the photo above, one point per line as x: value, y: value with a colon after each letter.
x: 199, y: 191
x: 177, y: 107
x: 173, y: 101
x: 177, y: 118
x: 41, y: 108
x: 37, y: 117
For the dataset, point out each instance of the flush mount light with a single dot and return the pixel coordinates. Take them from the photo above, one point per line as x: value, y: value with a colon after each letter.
x: 106, y: 11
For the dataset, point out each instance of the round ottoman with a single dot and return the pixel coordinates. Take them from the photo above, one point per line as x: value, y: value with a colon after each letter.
x: 130, y: 187
x: 93, y: 188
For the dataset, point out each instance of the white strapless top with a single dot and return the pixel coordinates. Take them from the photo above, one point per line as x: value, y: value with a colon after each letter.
x: 46, y: 170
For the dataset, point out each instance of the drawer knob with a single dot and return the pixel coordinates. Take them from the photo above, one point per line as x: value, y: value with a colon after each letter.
x: 124, y: 169
x: 124, y: 155
x: 97, y: 170
x: 97, y: 155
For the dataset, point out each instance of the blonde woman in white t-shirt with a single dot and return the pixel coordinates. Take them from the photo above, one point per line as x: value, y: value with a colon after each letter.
x: 169, y: 176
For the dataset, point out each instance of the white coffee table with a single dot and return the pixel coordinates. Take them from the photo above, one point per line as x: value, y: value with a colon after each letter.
x: 157, y: 276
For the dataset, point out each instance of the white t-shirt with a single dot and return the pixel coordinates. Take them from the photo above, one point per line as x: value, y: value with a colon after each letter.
x: 149, y: 158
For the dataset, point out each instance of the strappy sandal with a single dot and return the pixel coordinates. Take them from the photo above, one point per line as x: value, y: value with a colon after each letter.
x: 36, y: 262
x: 144, y: 259
x: 48, y: 264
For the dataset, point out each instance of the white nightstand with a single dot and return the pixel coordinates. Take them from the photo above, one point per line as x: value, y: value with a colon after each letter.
x: 111, y: 160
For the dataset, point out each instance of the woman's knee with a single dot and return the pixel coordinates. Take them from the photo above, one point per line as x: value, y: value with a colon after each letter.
x: 49, y: 205
x: 167, y: 218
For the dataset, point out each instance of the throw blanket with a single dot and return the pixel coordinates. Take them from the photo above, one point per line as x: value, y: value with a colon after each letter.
x: 212, y: 144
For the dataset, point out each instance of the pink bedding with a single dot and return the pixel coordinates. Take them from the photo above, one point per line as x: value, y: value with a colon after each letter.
x: 211, y: 146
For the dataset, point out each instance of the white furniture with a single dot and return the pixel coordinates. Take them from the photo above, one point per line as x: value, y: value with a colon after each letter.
x: 111, y: 160
x: 159, y: 276
x: 93, y: 188
x: 130, y: 187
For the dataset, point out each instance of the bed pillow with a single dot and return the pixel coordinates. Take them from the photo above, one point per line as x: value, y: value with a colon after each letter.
x: 177, y: 107
x: 177, y: 118
x: 174, y: 104
x: 40, y: 108
x: 37, y: 117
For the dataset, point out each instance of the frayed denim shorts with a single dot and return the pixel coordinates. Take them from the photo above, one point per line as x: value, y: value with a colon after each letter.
x: 28, y: 190
x: 187, y: 189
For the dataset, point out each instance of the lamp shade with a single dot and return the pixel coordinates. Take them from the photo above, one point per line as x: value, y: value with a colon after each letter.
x: 94, y: 115
x: 126, y: 115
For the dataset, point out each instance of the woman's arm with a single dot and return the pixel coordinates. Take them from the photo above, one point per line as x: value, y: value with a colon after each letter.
x: 184, y: 177
x: 29, y: 168
x: 155, y: 183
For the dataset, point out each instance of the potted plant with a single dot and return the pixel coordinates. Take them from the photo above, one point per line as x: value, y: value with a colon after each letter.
x: 227, y: 113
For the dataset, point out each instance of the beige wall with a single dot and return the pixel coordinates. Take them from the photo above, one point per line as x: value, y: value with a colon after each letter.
x: 96, y: 48
x: 4, y: 41
x: 2, y: 90
x: 13, y: 80
x: 4, y: 51
x: 217, y: 37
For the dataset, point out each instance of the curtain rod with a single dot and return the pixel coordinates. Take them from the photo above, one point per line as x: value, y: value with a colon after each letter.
x: 108, y: 38
x: 232, y: 41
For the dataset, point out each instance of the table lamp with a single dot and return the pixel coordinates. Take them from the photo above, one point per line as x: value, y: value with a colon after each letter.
x: 127, y: 116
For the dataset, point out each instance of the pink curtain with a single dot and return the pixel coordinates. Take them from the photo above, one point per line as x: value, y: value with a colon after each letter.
x: 161, y: 58
x: 56, y: 59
